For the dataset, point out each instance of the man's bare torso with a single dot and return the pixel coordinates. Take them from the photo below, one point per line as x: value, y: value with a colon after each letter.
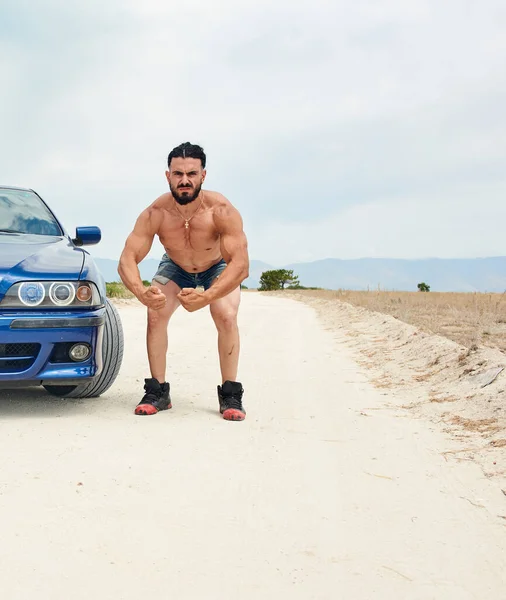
x: 194, y: 248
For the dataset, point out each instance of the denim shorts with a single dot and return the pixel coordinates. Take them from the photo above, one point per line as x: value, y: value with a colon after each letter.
x: 169, y: 271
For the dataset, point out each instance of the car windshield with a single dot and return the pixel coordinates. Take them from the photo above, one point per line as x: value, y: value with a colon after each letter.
x: 22, y: 211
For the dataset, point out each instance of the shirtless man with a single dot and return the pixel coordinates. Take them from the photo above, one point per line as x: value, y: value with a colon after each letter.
x: 205, y: 247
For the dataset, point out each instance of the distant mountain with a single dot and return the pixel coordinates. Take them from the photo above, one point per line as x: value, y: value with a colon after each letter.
x: 443, y: 275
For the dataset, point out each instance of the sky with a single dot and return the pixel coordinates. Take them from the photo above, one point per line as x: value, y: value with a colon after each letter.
x: 345, y: 129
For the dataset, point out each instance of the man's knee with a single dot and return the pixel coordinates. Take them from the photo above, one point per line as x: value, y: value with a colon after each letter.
x: 225, y: 320
x: 157, y: 318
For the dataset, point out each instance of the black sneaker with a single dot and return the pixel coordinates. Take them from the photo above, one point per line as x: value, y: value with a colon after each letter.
x: 230, y: 397
x: 156, y: 398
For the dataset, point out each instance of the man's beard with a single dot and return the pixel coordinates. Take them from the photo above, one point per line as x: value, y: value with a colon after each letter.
x: 186, y: 197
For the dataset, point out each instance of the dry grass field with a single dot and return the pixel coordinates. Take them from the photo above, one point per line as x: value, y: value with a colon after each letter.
x: 470, y: 319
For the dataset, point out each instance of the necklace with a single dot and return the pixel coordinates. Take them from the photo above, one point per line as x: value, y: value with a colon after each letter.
x: 187, y: 221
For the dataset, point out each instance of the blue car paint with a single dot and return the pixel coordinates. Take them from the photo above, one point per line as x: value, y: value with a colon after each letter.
x: 42, y: 368
x: 29, y: 257
x: 86, y: 236
x: 43, y: 259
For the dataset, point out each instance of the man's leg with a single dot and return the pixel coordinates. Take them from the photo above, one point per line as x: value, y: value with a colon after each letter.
x: 157, y: 396
x: 224, y: 312
x: 156, y: 335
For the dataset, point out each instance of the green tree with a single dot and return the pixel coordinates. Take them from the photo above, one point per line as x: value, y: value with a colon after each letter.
x: 277, y: 279
x: 423, y: 287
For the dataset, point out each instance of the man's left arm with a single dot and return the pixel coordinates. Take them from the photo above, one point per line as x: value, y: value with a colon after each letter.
x: 234, y: 250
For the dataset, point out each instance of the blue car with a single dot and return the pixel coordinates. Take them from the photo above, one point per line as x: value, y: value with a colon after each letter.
x: 57, y: 328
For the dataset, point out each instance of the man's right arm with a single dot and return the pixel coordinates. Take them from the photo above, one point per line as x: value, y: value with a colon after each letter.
x: 137, y: 246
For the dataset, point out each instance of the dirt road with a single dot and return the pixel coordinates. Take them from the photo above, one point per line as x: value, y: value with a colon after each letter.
x: 320, y: 494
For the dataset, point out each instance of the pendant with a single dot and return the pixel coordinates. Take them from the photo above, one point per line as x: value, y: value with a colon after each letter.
x: 186, y: 224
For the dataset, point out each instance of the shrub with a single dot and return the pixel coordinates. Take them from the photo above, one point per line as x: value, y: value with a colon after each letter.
x: 115, y: 289
x: 277, y: 279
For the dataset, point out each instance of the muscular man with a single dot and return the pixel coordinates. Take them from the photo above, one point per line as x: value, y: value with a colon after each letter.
x: 205, y: 247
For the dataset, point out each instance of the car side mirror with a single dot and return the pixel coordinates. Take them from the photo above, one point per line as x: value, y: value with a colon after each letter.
x: 87, y: 236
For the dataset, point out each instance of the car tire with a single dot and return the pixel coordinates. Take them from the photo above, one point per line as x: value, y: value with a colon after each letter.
x: 112, y: 353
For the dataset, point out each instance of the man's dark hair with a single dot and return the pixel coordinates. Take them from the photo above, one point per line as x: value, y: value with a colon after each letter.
x: 188, y: 150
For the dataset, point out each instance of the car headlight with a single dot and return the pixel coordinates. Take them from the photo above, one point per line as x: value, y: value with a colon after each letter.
x: 61, y: 293
x: 31, y: 293
x: 52, y: 294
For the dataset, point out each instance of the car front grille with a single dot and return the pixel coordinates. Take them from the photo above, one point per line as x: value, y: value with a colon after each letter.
x: 15, y: 358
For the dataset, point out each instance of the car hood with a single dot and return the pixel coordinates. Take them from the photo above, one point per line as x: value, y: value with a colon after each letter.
x: 29, y: 257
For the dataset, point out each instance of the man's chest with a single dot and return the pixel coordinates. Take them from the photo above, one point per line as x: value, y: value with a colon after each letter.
x: 198, y: 234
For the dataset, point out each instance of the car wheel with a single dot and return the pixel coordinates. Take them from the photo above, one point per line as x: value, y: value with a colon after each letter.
x: 112, y: 353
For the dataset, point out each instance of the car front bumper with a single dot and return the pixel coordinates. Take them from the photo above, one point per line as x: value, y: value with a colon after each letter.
x: 33, y: 346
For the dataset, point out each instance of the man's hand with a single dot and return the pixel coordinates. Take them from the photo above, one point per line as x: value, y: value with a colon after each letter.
x: 153, y: 297
x: 192, y: 299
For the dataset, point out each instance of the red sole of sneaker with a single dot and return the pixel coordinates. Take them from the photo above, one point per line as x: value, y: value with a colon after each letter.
x: 232, y: 414
x: 147, y: 409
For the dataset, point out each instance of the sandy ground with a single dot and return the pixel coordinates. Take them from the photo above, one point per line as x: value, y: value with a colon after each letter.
x: 329, y: 489
x: 462, y: 389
